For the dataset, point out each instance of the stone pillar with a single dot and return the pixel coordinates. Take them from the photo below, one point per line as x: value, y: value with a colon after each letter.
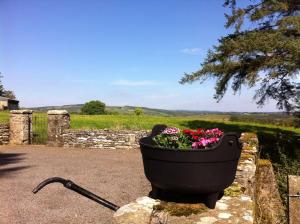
x: 58, y: 121
x: 20, y: 127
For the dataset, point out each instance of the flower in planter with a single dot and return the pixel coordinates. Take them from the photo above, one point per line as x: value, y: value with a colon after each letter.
x: 171, y: 131
x: 173, y: 138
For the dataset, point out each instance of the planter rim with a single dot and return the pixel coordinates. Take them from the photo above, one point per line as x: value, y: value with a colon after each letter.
x: 189, y: 149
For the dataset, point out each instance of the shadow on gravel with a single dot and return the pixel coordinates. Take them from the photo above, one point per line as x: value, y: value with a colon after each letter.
x: 8, y: 171
x: 8, y: 159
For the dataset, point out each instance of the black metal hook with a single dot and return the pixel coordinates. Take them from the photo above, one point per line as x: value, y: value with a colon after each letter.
x: 50, y: 181
x: 74, y: 187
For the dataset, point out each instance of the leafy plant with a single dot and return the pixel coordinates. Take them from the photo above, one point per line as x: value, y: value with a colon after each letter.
x: 6, y: 93
x: 93, y: 107
x: 138, y: 111
x: 197, y: 139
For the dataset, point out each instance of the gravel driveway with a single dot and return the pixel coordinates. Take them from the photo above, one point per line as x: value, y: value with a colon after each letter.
x: 114, y: 175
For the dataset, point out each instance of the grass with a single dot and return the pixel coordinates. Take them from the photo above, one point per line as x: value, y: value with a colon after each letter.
x: 4, y: 116
x: 134, y: 122
x: 39, y: 128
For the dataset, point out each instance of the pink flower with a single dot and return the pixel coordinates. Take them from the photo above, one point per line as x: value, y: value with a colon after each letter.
x: 171, y: 131
x: 214, y: 131
x: 203, y: 142
x: 195, y: 145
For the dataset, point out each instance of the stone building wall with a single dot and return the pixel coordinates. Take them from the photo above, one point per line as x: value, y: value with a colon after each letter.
x: 103, y: 138
x: 4, y: 133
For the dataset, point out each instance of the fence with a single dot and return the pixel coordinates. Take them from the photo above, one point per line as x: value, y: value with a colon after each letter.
x: 39, y: 129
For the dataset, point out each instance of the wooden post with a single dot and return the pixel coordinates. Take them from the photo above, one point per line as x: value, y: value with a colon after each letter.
x: 293, y: 199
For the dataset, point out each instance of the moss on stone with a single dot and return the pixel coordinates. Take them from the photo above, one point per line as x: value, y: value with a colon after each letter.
x: 250, y: 139
x: 264, y: 162
x: 180, y: 209
x: 234, y: 190
x: 248, y: 148
x: 247, y: 156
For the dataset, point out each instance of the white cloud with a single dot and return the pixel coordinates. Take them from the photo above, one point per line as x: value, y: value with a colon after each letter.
x: 191, y: 51
x: 123, y: 82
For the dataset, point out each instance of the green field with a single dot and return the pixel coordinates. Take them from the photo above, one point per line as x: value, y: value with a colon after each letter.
x: 4, y: 116
x: 135, y: 122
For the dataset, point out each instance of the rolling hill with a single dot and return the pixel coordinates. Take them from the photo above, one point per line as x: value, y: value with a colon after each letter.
x: 75, y: 108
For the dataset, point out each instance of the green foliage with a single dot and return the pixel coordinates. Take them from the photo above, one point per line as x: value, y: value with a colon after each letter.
x: 93, y: 107
x: 6, y: 93
x: 4, y: 116
x: 267, y: 54
x: 135, y: 123
x: 39, y: 128
x: 178, y: 141
x: 138, y: 111
x: 9, y: 94
x: 285, y: 120
x: 297, y: 108
x: 286, y: 164
x: 112, y: 112
x: 174, y: 138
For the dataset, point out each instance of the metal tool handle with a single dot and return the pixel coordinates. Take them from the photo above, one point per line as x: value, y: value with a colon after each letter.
x: 74, y: 187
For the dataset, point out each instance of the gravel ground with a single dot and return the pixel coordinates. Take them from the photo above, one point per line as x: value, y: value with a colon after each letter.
x: 114, y: 175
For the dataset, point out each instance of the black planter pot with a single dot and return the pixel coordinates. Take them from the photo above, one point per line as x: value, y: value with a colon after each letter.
x: 196, y: 173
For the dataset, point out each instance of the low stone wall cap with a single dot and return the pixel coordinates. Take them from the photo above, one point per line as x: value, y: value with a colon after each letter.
x: 57, y: 112
x: 21, y: 111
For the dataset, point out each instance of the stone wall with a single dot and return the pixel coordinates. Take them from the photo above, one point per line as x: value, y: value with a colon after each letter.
x: 4, y: 133
x: 104, y: 139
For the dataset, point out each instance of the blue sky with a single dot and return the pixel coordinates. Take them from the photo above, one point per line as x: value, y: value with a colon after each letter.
x: 133, y: 52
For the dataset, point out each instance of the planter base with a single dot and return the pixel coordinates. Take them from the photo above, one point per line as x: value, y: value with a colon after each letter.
x: 209, y: 200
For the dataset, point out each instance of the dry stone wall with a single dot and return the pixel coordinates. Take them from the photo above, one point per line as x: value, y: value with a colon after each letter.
x: 4, y: 134
x: 102, y: 139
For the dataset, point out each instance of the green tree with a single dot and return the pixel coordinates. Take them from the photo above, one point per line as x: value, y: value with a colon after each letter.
x: 267, y: 54
x: 9, y: 94
x: 297, y: 108
x: 138, y: 111
x: 6, y: 93
x: 93, y: 107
